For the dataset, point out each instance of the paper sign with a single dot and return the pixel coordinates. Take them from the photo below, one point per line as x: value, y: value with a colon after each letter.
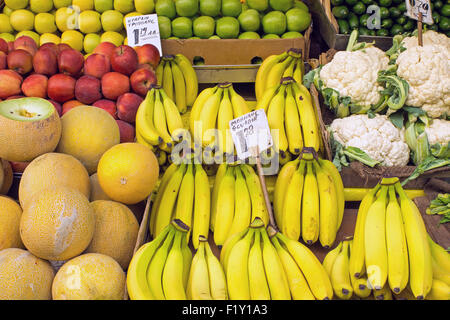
x: 142, y: 30
x: 250, y: 131
x: 414, y: 7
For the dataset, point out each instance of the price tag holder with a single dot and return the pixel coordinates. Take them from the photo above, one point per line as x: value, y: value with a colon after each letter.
x: 415, y: 7
x: 251, y: 132
x: 142, y: 30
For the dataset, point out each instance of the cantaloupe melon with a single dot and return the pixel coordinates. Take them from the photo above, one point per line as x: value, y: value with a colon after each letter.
x: 57, y: 223
x: 87, y: 132
x: 128, y: 172
x: 97, y: 192
x: 29, y: 127
x: 8, y: 177
x: 116, y: 230
x: 53, y: 169
x: 24, y: 276
x: 90, y: 276
x: 10, y: 213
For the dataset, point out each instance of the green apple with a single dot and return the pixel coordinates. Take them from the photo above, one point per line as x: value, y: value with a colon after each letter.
x: 112, y: 20
x: 5, y: 26
x: 7, y: 36
x: 83, y: 4
x: 45, y: 23
x: 89, y: 21
x: 33, y: 35
x: 271, y: 36
x: 73, y: 38
x: 124, y: 6
x: 61, y: 3
x: 7, y: 10
x: 113, y: 37
x: 49, y: 37
x: 145, y: 6
x: 91, y: 41
x: 38, y: 6
x: 249, y: 35
x: 214, y: 37
x: 22, y: 20
x: 66, y: 19
x: 103, y: 5
x: 16, y: 4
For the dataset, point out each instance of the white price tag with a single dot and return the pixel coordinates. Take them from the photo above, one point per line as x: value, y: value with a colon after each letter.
x: 249, y: 131
x: 142, y: 30
x: 414, y: 7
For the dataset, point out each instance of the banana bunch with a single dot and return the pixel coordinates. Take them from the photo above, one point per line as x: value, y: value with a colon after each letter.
x: 440, y: 260
x: 276, y: 67
x: 292, y: 117
x: 178, y: 78
x: 206, y: 276
x: 211, y: 114
x: 237, y: 199
x: 440, y: 205
x: 308, y: 199
x: 183, y: 193
x: 159, y: 270
x: 158, y: 121
x: 263, y: 264
x: 390, y: 242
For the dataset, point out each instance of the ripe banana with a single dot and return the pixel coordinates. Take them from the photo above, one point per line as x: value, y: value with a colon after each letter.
x: 310, y: 205
x: 275, y: 117
x: 263, y: 72
x: 197, y: 109
x: 190, y: 77
x: 202, y: 205
x: 264, y: 102
x: 259, y: 209
x: 340, y: 275
x: 185, y: 198
x: 298, y: 71
x: 289, y: 71
x: 167, y: 80
x: 198, y: 283
x: 208, y: 117
x: 292, y: 123
x: 330, y: 258
x: 224, y: 117
x: 159, y: 72
x: 439, y: 291
x: 220, y: 173
x: 384, y: 293
x: 179, y: 87
x: 228, y: 245
x: 225, y: 207
x: 242, y: 204
x: 276, y: 73
x: 144, y: 120
x: 173, y: 117
x: 240, y: 106
x: 259, y: 289
x: 360, y: 288
x: 160, y: 120
x: 172, y: 277
x: 217, y: 280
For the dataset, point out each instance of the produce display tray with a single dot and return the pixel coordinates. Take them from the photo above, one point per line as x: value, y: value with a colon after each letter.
x: 232, y: 73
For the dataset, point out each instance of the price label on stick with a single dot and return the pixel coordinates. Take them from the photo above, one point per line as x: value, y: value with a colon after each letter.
x: 416, y: 7
x: 251, y: 132
x: 142, y: 30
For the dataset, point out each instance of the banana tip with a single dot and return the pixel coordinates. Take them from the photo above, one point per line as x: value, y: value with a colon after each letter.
x: 396, y: 290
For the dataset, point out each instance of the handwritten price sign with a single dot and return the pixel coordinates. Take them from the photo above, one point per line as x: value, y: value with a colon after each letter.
x: 416, y: 7
x: 142, y: 30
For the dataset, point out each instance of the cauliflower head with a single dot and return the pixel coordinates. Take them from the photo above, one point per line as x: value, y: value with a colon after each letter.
x: 428, y: 37
x: 377, y: 137
x: 355, y: 73
x: 438, y: 132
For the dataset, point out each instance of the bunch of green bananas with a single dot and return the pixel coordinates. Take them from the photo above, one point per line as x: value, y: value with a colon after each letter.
x: 309, y: 199
x: 179, y: 80
x: 440, y: 204
x: 158, y: 121
x: 206, y: 277
x: 391, y: 244
x: 183, y: 193
x: 211, y: 114
x: 237, y: 199
x: 263, y: 264
x: 159, y: 270
x: 276, y: 67
x: 292, y: 116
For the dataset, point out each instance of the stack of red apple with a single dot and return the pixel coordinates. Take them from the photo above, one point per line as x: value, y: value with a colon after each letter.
x: 114, y: 78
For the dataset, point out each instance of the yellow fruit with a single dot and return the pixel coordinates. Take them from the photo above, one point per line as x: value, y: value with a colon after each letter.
x: 7, y: 176
x: 33, y: 35
x: 116, y: 230
x: 97, y: 192
x: 7, y: 36
x: 90, y: 276
x: 22, y: 20
x: 57, y: 223
x: 24, y: 276
x: 89, y: 21
x: 90, y: 42
x: 49, y: 37
x: 29, y: 127
x: 113, y: 37
x: 61, y: 3
x: 66, y: 19
x: 73, y: 38
x: 131, y: 14
x: 10, y: 213
x: 45, y: 23
x: 53, y: 169
x: 124, y: 6
x: 128, y: 172
x: 87, y: 132
x: 39, y: 6
x: 145, y: 6
x: 16, y: 4
x: 5, y: 25
x: 112, y: 20
x: 83, y: 5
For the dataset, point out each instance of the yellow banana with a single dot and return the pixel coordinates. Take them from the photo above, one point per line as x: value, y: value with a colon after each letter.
x: 292, y: 207
x: 237, y: 268
x: 224, y: 117
x: 242, y: 204
x: 439, y: 291
x: 167, y: 80
x: 298, y: 71
x: 220, y: 173
x: 439, y: 273
x: 173, y: 117
x: 310, y: 206
x: 141, y: 140
x: 276, y: 72
x: 179, y: 87
x: 202, y: 205
x: 190, y: 77
x: 263, y: 72
x: 439, y: 254
x: 144, y: 120
x: 330, y: 258
x: 172, y: 277
x: 357, y: 194
x: 217, y: 280
x: 199, y: 287
x: 259, y: 209
x: 259, y: 289
x: 228, y: 245
x: 359, y: 285
x: 406, y: 294
x: 240, y: 106
x: 268, y: 95
x: 384, y: 293
x: 340, y: 275
x: 276, y: 276
x: 275, y: 117
x: 289, y: 71
x: 160, y: 120
x: 225, y: 207
x: 159, y: 72
x: 198, y: 107
x: 298, y: 285
x: 208, y: 117
x: 419, y: 253
x: 187, y: 259
x: 185, y: 199
x: 292, y: 123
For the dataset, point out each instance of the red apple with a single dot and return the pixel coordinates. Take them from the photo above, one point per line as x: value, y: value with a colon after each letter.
x: 68, y: 105
x: 127, y: 106
x: 70, y: 61
x: 61, y: 87
x: 105, y: 48
x: 18, y: 96
x: 45, y: 61
x: 124, y: 60
x: 63, y: 46
x: 50, y: 45
x: 10, y: 46
x: 35, y: 86
x: 127, y: 131
x: 141, y: 80
x: 107, y: 105
x: 148, y: 54
x: 3, y: 60
x: 97, y: 65
x: 20, y: 61
x: 57, y: 106
x: 10, y: 83
x: 114, y: 84
x: 26, y: 43
x: 87, y: 89
x: 3, y: 45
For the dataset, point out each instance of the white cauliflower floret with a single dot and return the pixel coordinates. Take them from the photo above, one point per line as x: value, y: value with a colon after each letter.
x: 355, y: 73
x: 377, y: 137
x: 427, y: 71
x: 438, y: 132
x: 428, y: 37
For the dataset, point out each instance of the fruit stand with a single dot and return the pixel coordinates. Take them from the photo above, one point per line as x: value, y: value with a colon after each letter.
x: 228, y: 150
